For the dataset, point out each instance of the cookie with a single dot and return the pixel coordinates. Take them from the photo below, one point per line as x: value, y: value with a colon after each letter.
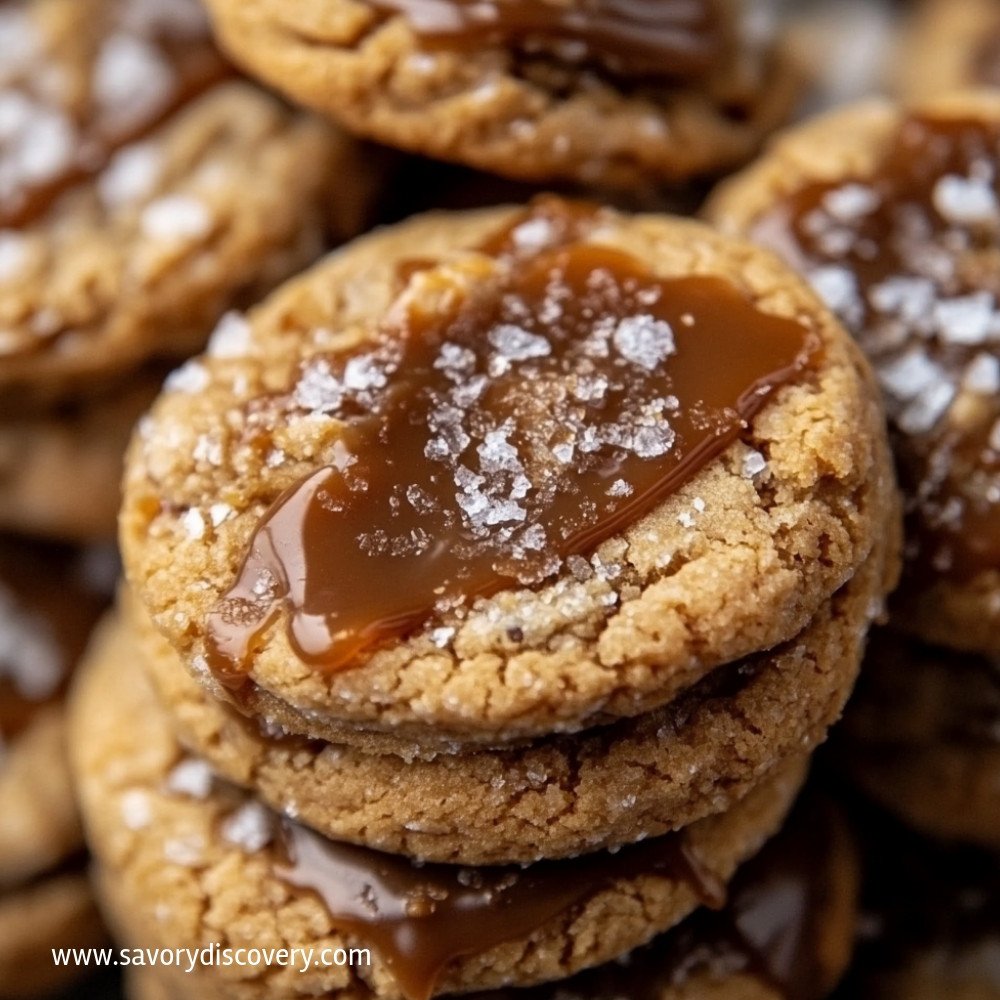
x: 472, y: 616
x: 144, y: 191
x: 914, y: 183
x: 923, y: 738
x: 766, y: 944
x: 61, y: 467
x: 540, y: 93
x: 948, y: 45
x: 190, y: 863
x: 556, y: 797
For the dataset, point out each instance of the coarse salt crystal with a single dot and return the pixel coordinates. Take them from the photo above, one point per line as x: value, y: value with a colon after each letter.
x: 251, y: 827
x: 644, y: 340
x: 754, y: 463
x: 192, y: 777
x: 220, y: 512
x: 231, y: 337
x: 194, y: 523
x: 131, y: 175
x: 983, y: 375
x: 190, y: 378
x: 966, y: 201
x: 135, y: 808
x: 176, y: 218
x: 851, y: 202
x: 132, y: 80
x: 965, y: 320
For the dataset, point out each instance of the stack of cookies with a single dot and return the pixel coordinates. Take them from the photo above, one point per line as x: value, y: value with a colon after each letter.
x: 144, y: 191
x: 488, y: 587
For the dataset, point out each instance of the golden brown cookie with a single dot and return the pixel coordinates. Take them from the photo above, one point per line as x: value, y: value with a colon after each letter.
x: 787, y: 929
x: 191, y: 864
x: 948, y: 45
x: 893, y: 214
x: 584, y: 618
x: 603, y: 94
x: 142, y: 194
x: 555, y: 797
x: 923, y: 737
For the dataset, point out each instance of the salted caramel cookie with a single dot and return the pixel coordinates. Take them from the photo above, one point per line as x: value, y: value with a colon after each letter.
x: 193, y: 863
x: 893, y: 215
x: 480, y: 477
x: 595, y: 92
x: 61, y: 467
x: 923, y: 737
x: 786, y: 931
x: 555, y: 797
x: 142, y: 192
x: 948, y: 45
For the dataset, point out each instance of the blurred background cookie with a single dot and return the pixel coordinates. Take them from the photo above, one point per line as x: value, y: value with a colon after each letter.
x: 627, y: 96
x: 145, y: 191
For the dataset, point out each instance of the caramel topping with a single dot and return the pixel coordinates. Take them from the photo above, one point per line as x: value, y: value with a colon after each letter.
x: 675, y: 39
x: 65, y: 126
x: 909, y: 259
x: 421, y: 917
x: 511, y: 413
x: 775, y: 926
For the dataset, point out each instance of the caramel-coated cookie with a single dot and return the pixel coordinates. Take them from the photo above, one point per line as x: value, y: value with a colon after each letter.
x: 767, y: 943
x: 923, y: 737
x: 948, y: 45
x: 603, y: 94
x: 894, y: 215
x: 336, y: 623
x: 142, y: 192
x: 190, y: 862
x: 555, y: 797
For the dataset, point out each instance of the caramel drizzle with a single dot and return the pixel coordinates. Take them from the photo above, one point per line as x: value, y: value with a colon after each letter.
x: 682, y: 39
x: 421, y: 918
x: 466, y: 468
